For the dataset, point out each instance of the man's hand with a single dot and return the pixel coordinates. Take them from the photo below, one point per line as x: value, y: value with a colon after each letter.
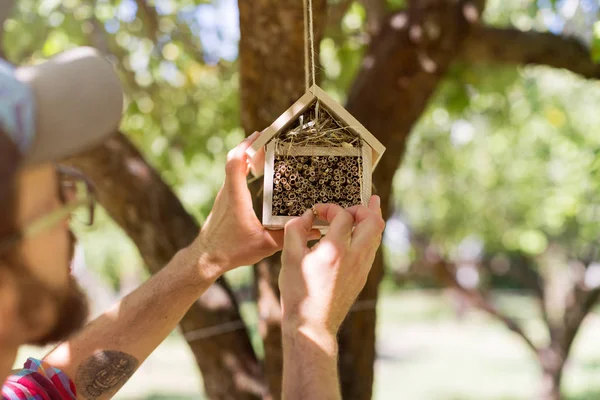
x: 232, y: 235
x: 319, y: 285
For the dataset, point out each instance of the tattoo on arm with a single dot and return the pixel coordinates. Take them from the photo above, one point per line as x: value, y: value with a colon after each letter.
x: 104, y: 373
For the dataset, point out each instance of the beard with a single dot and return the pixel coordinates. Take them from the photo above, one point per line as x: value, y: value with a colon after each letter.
x: 72, y: 307
x: 70, y: 304
x: 72, y: 313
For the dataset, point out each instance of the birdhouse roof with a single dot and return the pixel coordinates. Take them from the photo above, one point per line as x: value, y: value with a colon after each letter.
x: 337, y: 111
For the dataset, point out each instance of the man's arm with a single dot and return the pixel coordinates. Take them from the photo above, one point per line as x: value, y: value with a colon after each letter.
x: 318, y: 287
x: 109, y: 350
x: 310, y: 364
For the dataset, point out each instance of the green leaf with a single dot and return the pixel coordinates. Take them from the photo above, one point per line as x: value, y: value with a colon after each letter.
x: 596, y: 42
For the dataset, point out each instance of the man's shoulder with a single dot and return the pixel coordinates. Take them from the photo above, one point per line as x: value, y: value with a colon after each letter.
x: 38, y: 380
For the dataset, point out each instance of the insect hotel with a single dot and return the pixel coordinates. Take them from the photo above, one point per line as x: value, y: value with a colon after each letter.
x: 316, y: 152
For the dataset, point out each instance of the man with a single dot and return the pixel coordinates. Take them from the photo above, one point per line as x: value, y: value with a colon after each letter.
x: 41, y: 303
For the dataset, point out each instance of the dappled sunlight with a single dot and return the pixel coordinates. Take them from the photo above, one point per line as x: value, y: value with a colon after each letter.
x: 491, y: 182
x: 369, y: 62
x: 427, y: 63
x: 139, y: 169
x: 399, y: 21
x: 61, y: 356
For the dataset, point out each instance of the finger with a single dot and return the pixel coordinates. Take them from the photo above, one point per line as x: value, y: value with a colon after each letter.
x: 296, y: 235
x: 340, y: 227
x: 240, y: 150
x: 368, y: 230
x: 360, y: 213
x: 375, y: 204
x: 236, y: 169
x: 257, y: 163
x: 327, y: 212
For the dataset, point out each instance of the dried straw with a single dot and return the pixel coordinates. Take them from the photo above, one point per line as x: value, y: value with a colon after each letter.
x: 317, y: 127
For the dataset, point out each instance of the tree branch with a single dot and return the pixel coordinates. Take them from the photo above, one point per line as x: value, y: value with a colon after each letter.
x: 431, y: 260
x: 575, y: 313
x: 150, y: 19
x: 476, y: 298
x: 375, y: 14
x: 336, y: 13
x: 487, y: 45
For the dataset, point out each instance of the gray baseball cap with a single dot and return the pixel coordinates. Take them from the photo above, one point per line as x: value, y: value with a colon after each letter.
x: 78, y: 103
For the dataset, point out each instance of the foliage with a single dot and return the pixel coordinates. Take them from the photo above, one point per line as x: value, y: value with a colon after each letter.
x: 515, y: 166
x: 505, y: 157
x: 502, y: 154
x: 181, y: 109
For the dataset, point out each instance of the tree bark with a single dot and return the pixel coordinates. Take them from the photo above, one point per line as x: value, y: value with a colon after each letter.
x: 552, y: 361
x: 403, y: 66
x: 376, y: 10
x: 553, y: 358
x: 511, y: 46
x: 135, y: 196
x: 272, y: 79
x: 551, y: 385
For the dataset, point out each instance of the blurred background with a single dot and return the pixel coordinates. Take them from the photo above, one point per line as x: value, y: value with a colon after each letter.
x: 489, y: 277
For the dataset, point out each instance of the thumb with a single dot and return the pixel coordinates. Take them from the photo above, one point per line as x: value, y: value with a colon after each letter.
x: 236, y: 169
x: 375, y: 204
x: 297, y: 233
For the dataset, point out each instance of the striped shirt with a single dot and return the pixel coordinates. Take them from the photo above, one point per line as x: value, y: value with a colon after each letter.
x: 38, y: 381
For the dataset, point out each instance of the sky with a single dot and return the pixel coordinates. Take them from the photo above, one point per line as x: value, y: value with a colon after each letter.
x: 216, y: 24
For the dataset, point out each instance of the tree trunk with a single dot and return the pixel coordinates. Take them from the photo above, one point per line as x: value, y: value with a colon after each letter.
x: 272, y: 79
x: 357, y: 339
x: 553, y: 358
x: 145, y: 207
x: 402, y: 68
x: 266, y: 276
x: 551, y: 385
x: 552, y: 361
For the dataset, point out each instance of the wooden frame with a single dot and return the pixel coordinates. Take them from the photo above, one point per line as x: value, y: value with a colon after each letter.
x: 344, y: 116
x: 291, y: 114
x: 278, y: 222
x: 371, y: 151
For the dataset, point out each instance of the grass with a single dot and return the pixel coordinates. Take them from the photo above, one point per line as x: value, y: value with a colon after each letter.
x: 424, y: 353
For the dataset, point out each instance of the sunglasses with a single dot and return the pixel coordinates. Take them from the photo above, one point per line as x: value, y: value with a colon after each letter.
x: 76, y: 192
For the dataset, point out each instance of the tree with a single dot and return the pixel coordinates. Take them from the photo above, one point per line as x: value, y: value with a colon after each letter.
x: 414, y: 51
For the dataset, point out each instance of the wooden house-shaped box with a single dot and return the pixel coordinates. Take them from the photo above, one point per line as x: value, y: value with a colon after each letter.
x: 316, y: 152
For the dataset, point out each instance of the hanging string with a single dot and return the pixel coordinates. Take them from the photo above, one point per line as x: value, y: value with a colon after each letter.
x: 311, y: 32
x: 306, y: 49
x: 309, y: 45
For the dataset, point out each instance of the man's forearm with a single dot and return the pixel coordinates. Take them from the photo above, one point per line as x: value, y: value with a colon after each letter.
x: 309, y: 364
x: 108, y: 351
